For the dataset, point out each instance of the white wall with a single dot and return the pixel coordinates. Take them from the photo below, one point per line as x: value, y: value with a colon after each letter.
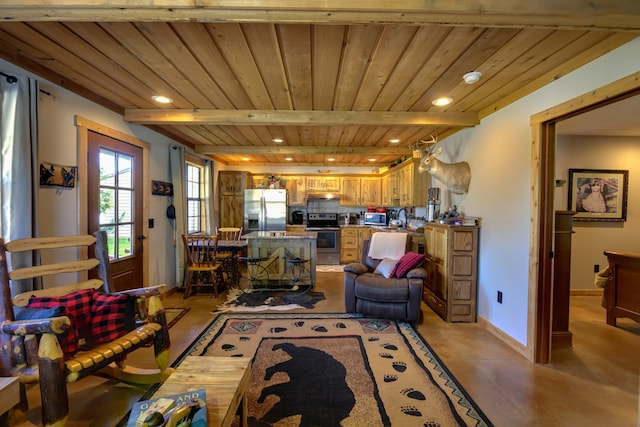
x: 592, y: 238
x: 499, y: 152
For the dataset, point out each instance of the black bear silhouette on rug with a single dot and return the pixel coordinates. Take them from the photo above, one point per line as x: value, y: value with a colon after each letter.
x: 320, y: 402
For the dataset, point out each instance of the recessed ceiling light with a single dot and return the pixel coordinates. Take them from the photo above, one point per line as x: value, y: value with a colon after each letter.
x: 372, y: 160
x: 330, y: 159
x: 394, y: 141
x: 162, y: 99
x: 441, y: 102
x: 246, y: 159
x: 472, y: 77
x: 278, y: 140
x: 288, y: 159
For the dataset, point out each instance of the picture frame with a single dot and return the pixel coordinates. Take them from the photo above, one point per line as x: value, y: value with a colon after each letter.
x: 53, y: 175
x: 598, y: 194
x: 160, y: 188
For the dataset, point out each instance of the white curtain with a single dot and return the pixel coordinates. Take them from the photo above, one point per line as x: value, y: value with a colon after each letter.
x: 18, y: 163
x: 178, y: 175
x: 208, y: 196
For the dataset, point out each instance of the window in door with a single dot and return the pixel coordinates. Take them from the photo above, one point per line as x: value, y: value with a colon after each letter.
x: 116, y: 202
x: 195, y: 199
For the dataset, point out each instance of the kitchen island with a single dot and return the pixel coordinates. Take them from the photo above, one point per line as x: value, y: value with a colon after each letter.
x: 272, y: 248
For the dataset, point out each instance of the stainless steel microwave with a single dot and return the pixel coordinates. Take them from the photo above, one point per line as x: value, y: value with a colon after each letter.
x: 374, y: 218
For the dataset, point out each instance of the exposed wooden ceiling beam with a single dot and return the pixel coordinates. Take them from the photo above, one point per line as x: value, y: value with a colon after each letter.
x: 619, y: 15
x: 304, y: 150
x: 297, y: 118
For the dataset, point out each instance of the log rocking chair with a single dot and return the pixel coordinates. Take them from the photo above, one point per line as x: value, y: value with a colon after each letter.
x: 67, y: 332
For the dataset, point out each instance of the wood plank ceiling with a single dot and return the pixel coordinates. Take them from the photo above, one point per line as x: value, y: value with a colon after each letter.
x: 333, y: 87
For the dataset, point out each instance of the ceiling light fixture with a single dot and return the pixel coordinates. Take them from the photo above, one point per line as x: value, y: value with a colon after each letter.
x: 472, y: 77
x: 277, y: 140
x: 441, y: 102
x: 162, y: 99
x: 330, y: 159
x: 246, y: 159
x: 394, y: 141
x: 372, y: 160
x: 288, y: 159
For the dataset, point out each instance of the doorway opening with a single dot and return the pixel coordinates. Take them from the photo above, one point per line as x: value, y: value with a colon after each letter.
x: 544, y: 148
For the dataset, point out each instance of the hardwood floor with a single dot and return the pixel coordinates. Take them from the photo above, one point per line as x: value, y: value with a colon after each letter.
x: 594, y: 383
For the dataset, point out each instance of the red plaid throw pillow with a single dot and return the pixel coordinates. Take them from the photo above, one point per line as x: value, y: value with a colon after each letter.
x: 109, y: 316
x: 409, y: 261
x: 77, y: 306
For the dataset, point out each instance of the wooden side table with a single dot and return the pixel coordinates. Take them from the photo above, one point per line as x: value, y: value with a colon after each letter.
x: 10, y: 392
x: 225, y: 380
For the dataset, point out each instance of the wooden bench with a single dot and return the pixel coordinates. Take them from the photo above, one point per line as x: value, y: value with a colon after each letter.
x: 31, y: 349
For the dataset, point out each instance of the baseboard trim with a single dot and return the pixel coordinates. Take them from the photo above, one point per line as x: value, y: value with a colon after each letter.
x: 586, y: 292
x: 508, y: 340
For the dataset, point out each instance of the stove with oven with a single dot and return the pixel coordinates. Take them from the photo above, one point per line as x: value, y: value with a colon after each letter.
x: 328, y: 242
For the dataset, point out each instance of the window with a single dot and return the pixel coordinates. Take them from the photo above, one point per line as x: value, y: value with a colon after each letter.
x: 195, y: 199
x: 116, y: 202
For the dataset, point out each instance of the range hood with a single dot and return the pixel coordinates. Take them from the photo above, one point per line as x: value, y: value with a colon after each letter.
x: 323, y: 196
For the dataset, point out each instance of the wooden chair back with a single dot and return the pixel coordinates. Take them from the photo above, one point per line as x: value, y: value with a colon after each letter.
x: 229, y: 233
x: 201, y: 250
x: 81, y: 266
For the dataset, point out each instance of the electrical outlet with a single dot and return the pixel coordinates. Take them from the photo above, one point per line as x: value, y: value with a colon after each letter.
x: 500, y: 297
x: 596, y: 268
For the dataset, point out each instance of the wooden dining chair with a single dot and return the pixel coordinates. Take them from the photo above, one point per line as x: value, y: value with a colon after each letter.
x: 226, y: 257
x: 202, y: 264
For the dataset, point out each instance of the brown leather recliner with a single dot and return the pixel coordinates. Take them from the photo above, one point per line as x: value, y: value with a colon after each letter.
x: 375, y: 295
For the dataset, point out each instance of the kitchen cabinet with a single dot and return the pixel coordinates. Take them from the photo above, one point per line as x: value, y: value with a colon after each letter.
x: 405, y: 186
x: 355, y: 191
x: 297, y: 190
x: 413, y: 186
x: 350, y: 191
x: 451, y: 261
x: 351, y: 239
x: 231, y: 186
x: 323, y: 183
x: 233, y: 182
x: 370, y: 191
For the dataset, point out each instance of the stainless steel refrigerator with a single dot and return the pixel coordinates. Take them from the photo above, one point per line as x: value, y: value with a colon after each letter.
x: 265, y: 210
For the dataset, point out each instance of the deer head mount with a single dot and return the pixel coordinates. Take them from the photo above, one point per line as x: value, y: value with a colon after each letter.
x: 455, y: 176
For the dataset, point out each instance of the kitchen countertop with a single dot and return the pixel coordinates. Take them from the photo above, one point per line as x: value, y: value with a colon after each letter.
x: 373, y: 227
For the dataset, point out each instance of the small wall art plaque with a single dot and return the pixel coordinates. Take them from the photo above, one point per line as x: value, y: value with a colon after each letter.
x: 57, y: 175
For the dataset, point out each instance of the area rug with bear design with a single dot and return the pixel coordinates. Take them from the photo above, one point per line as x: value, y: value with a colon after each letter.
x: 338, y: 369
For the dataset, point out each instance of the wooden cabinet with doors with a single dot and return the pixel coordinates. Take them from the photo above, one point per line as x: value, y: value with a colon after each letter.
x: 356, y: 191
x: 231, y: 185
x: 323, y: 183
x: 412, y: 185
x: 370, y: 191
x: 451, y: 261
x: 297, y: 190
x: 351, y: 239
x: 350, y: 191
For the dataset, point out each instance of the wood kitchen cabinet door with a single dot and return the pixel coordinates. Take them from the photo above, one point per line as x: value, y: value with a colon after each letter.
x: 297, y: 190
x: 350, y: 191
x: 370, y: 191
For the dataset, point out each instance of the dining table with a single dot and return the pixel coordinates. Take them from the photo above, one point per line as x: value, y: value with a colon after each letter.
x: 234, y: 247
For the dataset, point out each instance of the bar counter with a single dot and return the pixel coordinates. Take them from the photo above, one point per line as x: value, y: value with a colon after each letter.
x: 276, y: 246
